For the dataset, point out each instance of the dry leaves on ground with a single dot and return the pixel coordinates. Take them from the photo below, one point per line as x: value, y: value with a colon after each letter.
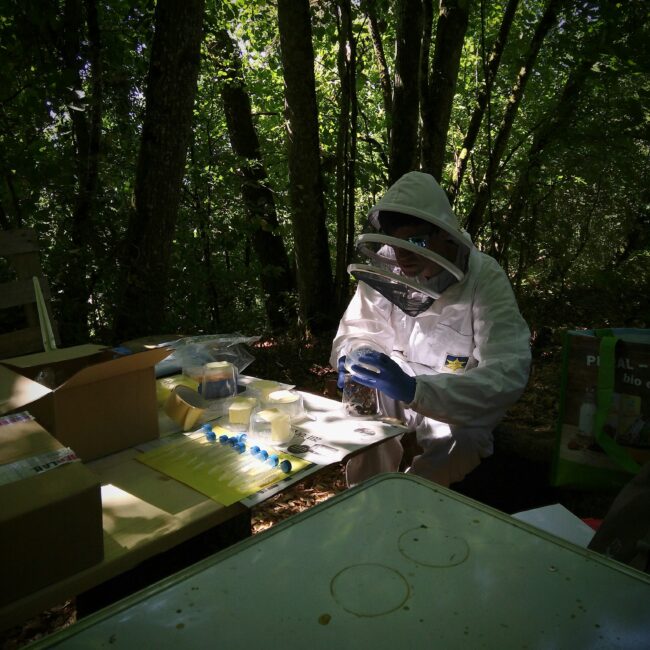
x: 311, y: 491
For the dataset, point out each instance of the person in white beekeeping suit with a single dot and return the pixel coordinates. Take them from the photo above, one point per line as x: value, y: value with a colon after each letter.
x: 443, y: 340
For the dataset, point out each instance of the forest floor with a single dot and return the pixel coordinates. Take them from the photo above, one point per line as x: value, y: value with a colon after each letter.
x: 515, y: 478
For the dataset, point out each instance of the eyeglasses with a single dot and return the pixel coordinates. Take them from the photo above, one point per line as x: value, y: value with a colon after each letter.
x: 419, y: 240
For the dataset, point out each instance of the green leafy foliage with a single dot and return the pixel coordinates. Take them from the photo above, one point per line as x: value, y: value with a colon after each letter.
x: 577, y: 254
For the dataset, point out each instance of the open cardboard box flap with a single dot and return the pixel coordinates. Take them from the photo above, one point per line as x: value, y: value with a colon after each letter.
x: 102, y: 403
x: 114, y: 367
x: 54, y: 356
x: 18, y: 390
x: 17, y: 385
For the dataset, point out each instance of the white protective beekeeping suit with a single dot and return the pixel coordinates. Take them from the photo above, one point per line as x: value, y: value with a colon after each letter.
x: 467, y: 344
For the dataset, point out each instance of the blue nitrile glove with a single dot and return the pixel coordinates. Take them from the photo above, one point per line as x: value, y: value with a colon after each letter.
x: 387, y: 376
x: 340, y: 382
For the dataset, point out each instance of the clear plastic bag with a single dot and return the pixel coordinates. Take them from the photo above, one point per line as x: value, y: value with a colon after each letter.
x: 199, y: 350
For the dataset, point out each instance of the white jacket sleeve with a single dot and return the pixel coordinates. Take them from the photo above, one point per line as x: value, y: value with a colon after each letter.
x: 481, y: 395
x: 365, y: 322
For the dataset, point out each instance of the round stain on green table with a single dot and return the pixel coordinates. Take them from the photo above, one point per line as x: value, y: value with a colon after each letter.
x: 433, y: 547
x: 369, y: 589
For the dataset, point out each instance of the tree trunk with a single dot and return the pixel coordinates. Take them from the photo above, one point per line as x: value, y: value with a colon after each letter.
x: 351, y: 166
x: 482, y: 100
x: 202, y: 206
x: 15, y: 201
x: 276, y: 276
x: 345, y: 152
x: 86, y: 116
x: 406, y: 90
x: 166, y: 133
x: 384, y: 73
x: 425, y: 56
x: 450, y: 35
x: 314, y: 270
x: 547, y: 21
x: 4, y: 219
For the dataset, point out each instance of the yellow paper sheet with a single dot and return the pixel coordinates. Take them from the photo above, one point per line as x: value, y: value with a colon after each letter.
x: 215, y: 469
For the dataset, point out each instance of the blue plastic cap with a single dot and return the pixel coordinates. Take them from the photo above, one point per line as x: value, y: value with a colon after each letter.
x: 264, y: 454
x: 209, y: 434
x: 285, y: 466
x: 223, y: 439
x: 233, y: 440
x: 242, y: 437
x: 240, y: 447
x: 273, y: 460
x: 255, y: 450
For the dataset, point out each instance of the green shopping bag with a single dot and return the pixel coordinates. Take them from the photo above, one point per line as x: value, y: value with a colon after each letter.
x: 603, y: 433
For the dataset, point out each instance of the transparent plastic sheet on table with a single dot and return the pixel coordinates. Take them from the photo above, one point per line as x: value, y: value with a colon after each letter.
x: 408, y: 272
x: 199, y: 350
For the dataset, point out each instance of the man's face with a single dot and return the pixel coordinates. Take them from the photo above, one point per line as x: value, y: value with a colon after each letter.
x: 426, y: 236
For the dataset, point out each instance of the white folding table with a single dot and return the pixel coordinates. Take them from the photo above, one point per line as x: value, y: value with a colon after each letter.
x: 395, y: 562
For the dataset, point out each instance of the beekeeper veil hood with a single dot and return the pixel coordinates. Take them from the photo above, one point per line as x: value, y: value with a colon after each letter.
x: 415, y: 247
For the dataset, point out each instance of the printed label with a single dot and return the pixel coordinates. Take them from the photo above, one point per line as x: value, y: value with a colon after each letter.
x: 35, y: 465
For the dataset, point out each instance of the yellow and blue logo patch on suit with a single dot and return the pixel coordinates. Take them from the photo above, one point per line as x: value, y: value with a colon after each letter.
x: 455, y: 363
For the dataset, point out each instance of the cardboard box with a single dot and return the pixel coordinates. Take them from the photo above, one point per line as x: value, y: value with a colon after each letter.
x: 50, y: 520
x: 98, y: 403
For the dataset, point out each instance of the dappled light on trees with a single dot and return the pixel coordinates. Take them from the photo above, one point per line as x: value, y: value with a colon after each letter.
x: 315, y: 287
x: 218, y: 183
x: 166, y: 132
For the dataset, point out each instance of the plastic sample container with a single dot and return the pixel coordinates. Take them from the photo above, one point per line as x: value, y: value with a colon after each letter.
x: 271, y: 425
x: 219, y: 380
x: 288, y: 401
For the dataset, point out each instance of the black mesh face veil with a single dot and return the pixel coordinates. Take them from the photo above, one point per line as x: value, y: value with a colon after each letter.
x: 409, y: 300
x: 406, y: 272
